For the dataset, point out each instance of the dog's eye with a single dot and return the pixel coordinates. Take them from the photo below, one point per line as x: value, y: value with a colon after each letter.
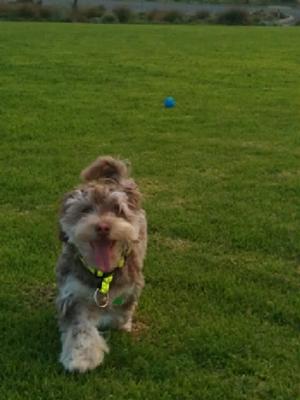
x: 86, y: 209
x: 119, y: 211
x: 116, y: 209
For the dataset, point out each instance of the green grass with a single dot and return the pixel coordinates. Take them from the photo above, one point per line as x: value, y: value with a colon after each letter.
x: 219, y: 317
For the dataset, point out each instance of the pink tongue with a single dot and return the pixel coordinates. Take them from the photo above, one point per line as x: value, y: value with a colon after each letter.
x: 102, y: 254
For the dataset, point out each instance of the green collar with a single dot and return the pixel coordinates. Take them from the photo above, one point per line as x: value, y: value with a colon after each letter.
x: 98, y: 273
x: 101, y: 295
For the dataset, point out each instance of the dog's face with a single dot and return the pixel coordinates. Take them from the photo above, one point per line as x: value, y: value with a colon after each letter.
x: 99, y: 217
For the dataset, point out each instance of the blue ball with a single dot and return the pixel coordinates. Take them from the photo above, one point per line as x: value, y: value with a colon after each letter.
x: 169, y: 102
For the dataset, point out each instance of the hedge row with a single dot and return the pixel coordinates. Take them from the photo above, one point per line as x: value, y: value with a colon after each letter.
x: 28, y: 10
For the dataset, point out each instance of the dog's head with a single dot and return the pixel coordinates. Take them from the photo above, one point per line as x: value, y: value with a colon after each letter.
x: 100, y: 216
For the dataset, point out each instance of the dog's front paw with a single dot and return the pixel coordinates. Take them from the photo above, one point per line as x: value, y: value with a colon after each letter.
x: 83, y: 351
x: 127, y: 326
x: 80, y: 362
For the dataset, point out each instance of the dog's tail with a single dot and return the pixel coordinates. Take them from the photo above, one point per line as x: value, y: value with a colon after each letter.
x: 105, y: 168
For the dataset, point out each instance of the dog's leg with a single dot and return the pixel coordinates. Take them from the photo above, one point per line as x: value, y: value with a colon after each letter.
x: 125, y: 315
x: 126, y: 323
x: 83, y: 348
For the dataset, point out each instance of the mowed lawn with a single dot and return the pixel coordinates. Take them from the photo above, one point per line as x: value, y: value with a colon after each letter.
x: 220, y: 314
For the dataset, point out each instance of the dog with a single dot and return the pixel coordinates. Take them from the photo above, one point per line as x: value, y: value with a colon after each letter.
x: 103, y: 230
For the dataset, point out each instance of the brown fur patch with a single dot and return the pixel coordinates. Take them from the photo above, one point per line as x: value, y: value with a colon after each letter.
x: 133, y: 193
x: 105, y: 167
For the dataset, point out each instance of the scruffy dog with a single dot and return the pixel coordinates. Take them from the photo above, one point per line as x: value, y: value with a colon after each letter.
x: 99, y: 272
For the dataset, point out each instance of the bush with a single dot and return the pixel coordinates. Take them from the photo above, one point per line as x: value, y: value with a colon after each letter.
x: 201, y: 15
x: 234, y: 17
x: 123, y: 13
x: 155, y: 16
x: 173, y: 16
x: 27, y: 11
x: 109, y: 18
x: 93, y: 12
x: 140, y: 17
x: 49, y: 13
x: 86, y: 14
x: 5, y: 10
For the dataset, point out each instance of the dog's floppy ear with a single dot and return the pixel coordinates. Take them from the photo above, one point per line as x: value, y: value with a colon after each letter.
x: 105, y: 168
x: 133, y: 193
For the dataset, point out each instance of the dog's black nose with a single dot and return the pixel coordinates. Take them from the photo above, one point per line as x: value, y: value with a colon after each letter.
x: 103, y: 228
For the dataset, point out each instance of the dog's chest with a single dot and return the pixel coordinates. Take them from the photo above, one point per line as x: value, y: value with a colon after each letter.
x: 118, y: 294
